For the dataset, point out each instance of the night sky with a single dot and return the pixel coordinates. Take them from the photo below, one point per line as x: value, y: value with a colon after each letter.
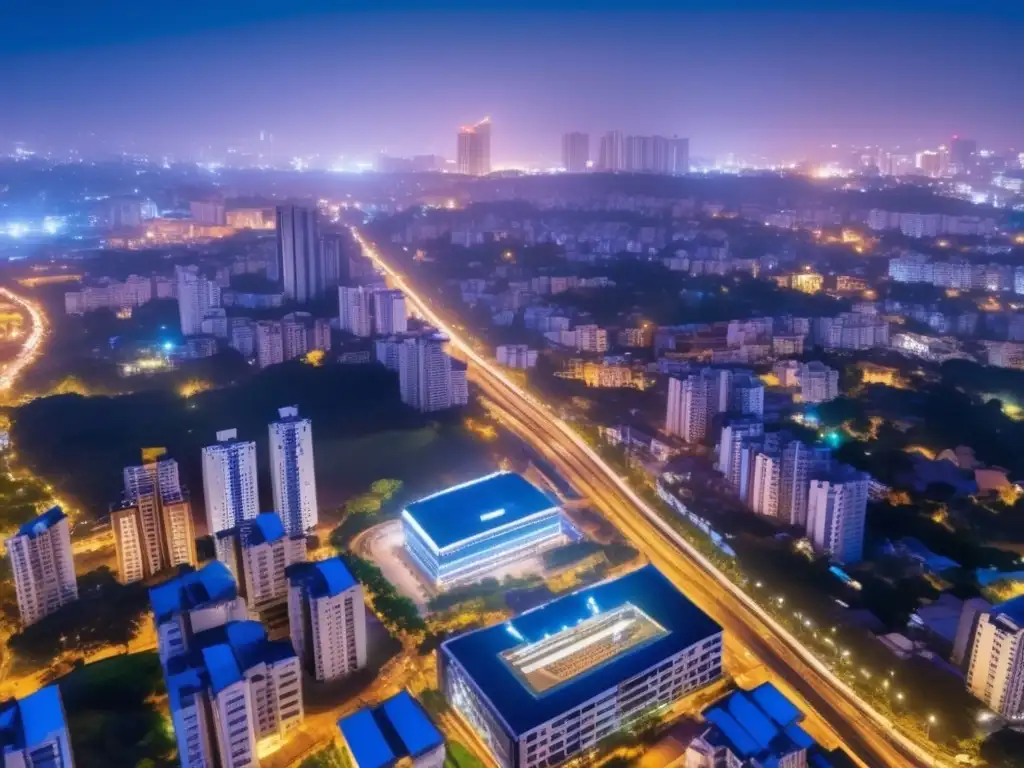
x: 347, y: 78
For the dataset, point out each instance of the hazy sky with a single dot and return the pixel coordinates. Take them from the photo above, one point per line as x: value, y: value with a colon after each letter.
x: 357, y: 78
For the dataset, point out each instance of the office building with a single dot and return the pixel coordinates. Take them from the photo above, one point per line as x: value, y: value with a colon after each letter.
x: 836, y: 508
x: 42, y: 564
x: 550, y: 684
x: 354, y: 308
x: 396, y: 732
x: 197, y: 295
x: 612, y: 152
x: 327, y: 618
x: 753, y: 729
x: 34, y: 731
x: 818, y: 382
x: 257, y: 552
x: 575, y: 152
x: 292, y: 472
x: 235, y: 698
x: 389, y: 315
x: 229, y: 482
x: 298, y: 253
x: 192, y: 603
x: 269, y: 343
x: 473, y: 149
x: 153, y: 529
x: 995, y: 674
x: 463, y: 533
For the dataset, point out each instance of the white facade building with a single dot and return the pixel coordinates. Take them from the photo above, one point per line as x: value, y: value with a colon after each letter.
x: 292, y: 471
x: 425, y: 373
x: 836, y: 508
x: 818, y: 382
x: 229, y: 482
x: 327, y: 617
x: 516, y: 356
x: 35, y: 731
x: 730, y: 453
x: 996, y: 670
x: 766, y: 486
x: 269, y: 343
x: 43, y: 566
x: 257, y: 552
x: 389, y: 312
x: 196, y: 297
x: 354, y: 310
x: 591, y: 338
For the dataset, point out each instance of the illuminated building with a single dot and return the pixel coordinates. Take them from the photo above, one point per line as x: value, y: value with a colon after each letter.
x: 197, y: 295
x: 553, y: 682
x: 292, y: 472
x: 806, y: 282
x: 246, y: 218
x: 591, y: 338
x: 299, y: 253
x: 43, y: 566
x: 208, y: 212
x: 153, y: 530
x: 269, y: 343
x: 575, y: 152
x: 229, y: 482
x: 34, y: 731
x: 516, y: 356
x: 463, y: 533
x: 354, y: 310
x: 257, y: 552
x: 799, y: 463
x: 425, y: 373
x: 396, y: 732
x: 836, y: 508
x: 995, y: 673
x: 473, y: 149
x: 731, y: 456
x: 693, y: 401
x: 327, y: 618
x: 389, y: 313
x: 818, y: 382
x: 110, y: 294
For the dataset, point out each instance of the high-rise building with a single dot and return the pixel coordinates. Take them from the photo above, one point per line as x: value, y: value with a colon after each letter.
x: 189, y: 604
x: 354, y: 309
x: 473, y: 150
x: 995, y: 673
x: 257, y: 552
x: 765, y: 484
x: 747, y: 395
x: 389, y: 315
x: 292, y: 472
x: 575, y: 151
x: 327, y: 617
x: 34, y: 731
x: 43, y: 566
x: 294, y: 339
x: 197, y: 295
x: 818, y: 382
x: 799, y: 463
x: 966, y: 628
x: 693, y: 401
x: 612, y: 152
x: 425, y: 373
x: 836, y: 508
x: 229, y: 482
x: 963, y: 154
x: 298, y: 252
x: 209, y: 213
x: 730, y: 453
x: 153, y: 530
x: 679, y: 156
x: 333, y: 247
x: 269, y: 343
x: 591, y: 338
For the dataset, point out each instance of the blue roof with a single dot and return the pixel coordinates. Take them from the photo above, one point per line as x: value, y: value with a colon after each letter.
x: 43, y: 522
x: 323, y: 578
x: 756, y: 722
x: 761, y: 724
x: 366, y: 742
x: 222, y: 666
x: 1012, y: 609
x: 411, y: 723
x: 741, y: 742
x: 646, y: 588
x: 477, y: 507
x: 395, y: 729
x: 780, y: 709
x: 213, y: 583
x: 28, y: 722
x: 265, y: 528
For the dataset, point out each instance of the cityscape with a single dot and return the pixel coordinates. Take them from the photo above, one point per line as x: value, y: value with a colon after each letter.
x: 512, y: 387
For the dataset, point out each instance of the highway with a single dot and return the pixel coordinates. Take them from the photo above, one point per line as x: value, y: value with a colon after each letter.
x: 32, y: 346
x: 865, y: 734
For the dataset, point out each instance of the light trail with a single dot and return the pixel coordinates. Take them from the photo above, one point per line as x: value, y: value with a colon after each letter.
x: 545, y: 418
x: 33, y: 344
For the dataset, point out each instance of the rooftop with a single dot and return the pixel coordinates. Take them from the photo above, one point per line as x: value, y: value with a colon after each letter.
x: 761, y: 724
x: 213, y: 583
x: 670, y: 623
x: 265, y: 528
x: 396, y: 728
x: 1012, y: 609
x: 323, y: 578
x: 30, y: 721
x: 44, y: 522
x: 478, y: 507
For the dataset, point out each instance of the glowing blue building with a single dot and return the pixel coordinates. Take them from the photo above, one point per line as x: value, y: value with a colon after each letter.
x: 463, y: 533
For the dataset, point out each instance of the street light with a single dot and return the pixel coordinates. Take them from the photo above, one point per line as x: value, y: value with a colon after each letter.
x: 928, y: 726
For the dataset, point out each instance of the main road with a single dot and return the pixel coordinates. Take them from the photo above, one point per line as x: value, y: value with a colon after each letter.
x: 864, y: 732
x: 32, y: 345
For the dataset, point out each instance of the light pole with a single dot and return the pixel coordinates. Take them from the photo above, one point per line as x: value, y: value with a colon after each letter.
x: 928, y: 726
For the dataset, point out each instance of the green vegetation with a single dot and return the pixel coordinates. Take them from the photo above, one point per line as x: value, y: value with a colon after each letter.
x: 21, y: 498
x: 329, y: 757
x: 1004, y: 748
x: 615, y: 553
x: 112, y: 715
x: 398, y: 613
x: 486, y: 595
x: 365, y: 511
x: 459, y: 757
x: 106, y: 613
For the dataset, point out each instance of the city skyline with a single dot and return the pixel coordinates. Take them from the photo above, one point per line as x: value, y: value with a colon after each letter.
x: 781, y: 85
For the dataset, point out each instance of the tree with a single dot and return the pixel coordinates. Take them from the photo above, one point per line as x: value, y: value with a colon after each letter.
x: 385, y: 488
x: 1004, y: 748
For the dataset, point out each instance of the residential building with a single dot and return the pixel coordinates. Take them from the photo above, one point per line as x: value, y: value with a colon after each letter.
x: 242, y: 336
x: 460, y: 383
x: 747, y: 395
x: 153, y: 529
x: 192, y: 603
x: 730, y: 451
x: 34, y: 731
x: 516, y: 356
x: 836, y: 508
x: 327, y: 618
x: 591, y: 338
x: 229, y: 482
x: 354, y: 307
x: 425, y: 373
x: 799, y: 463
x: 693, y: 402
x: 257, y: 552
x: 966, y: 627
x: 303, y: 275
x: 389, y: 314
x: 396, y: 732
x: 818, y: 382
x: 269, y: 343
x: 612, y: 152
x: 197, y: 295
x: 614, y: 650
x: 995, y: 673
x: 575, y: 152
x: 766, y: 485
x: 292, y: 472
x: 473, y: 149
x: 43, y: 567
